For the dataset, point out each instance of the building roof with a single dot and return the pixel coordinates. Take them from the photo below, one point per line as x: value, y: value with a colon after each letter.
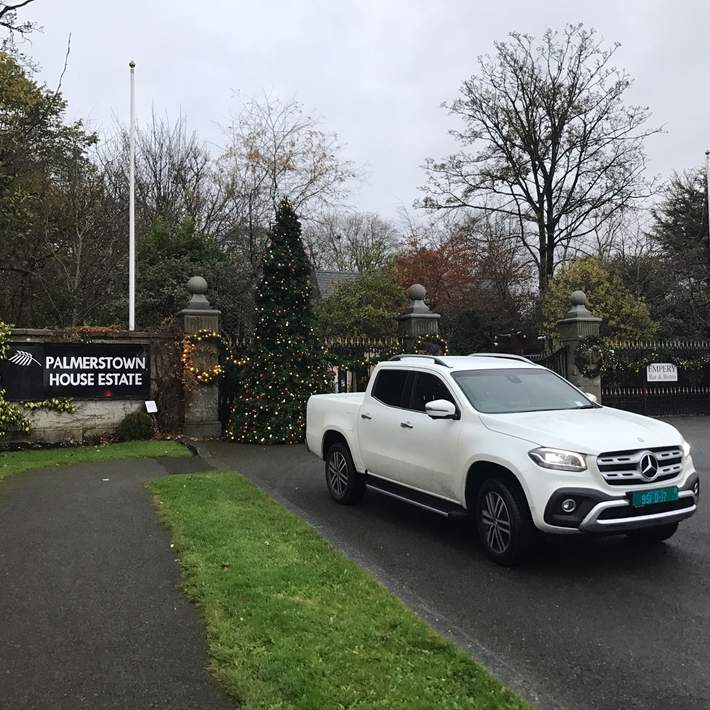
x: 327, y: 281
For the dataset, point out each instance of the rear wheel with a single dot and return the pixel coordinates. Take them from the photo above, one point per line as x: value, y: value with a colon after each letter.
x: 503, y: 522
x: 653, y: 535
x: 345, y: 484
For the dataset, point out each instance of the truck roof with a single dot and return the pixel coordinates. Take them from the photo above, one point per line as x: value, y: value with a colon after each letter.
x: 475, y: 361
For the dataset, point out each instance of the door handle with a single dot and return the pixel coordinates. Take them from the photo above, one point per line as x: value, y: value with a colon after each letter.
x: 406, y: 425
x: 365, y: 416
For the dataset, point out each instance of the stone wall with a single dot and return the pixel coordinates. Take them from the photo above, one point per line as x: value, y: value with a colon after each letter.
x: 93, y: 417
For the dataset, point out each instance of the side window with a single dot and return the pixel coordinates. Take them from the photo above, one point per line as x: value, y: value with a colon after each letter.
x: 427, y: 388
x: 389, y: 386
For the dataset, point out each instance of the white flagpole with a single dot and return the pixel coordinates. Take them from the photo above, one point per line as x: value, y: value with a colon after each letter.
x: 132, y: 210
x: 707, y: 185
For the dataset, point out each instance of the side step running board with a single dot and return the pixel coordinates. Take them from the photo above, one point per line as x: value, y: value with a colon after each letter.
x: 421, y: 500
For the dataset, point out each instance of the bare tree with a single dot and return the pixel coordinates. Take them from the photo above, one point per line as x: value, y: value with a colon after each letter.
x: 175, y: 176
x: 10, y: 21
x: 547, y: 140
x: 275, y: 150
x: 350, y: 241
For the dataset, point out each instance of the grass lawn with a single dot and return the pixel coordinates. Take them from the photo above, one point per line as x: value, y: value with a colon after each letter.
x: 293, y: 623
x: 16, y: 461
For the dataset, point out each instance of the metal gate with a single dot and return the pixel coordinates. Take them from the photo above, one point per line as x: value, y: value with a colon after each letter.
x: 556, y: 360
x: 625, y: 384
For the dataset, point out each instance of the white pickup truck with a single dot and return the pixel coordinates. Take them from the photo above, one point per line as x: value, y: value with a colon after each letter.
x: 508, y: 442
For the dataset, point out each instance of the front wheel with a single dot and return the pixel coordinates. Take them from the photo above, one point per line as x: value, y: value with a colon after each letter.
x: 653, y: 535
x: 503, y: 522
x: 345, y: 484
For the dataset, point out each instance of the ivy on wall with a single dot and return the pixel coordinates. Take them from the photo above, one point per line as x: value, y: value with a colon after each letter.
x: 61, y: 405
x: 12, y: 418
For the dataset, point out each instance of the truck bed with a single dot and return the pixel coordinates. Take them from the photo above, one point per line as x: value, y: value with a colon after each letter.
x: 337, y: 412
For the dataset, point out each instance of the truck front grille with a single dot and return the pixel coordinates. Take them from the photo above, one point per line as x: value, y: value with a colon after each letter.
x: 623, y: 468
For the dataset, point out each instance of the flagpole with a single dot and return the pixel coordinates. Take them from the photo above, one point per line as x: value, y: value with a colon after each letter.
x: 132, y: 209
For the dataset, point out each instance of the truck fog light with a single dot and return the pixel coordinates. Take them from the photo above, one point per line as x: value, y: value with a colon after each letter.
x: 569, y: 505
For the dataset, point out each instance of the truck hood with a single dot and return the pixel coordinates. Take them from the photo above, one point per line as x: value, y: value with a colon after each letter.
x: 588, y: 431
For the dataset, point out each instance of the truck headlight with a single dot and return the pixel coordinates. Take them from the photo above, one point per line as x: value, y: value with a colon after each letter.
x: 686, y: 449
x: 558, y: 459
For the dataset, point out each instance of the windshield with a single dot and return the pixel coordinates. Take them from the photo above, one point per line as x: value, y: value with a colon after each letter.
x: 519, y: 390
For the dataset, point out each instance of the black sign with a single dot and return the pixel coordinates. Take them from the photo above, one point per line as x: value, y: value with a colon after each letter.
x: 77, y: 370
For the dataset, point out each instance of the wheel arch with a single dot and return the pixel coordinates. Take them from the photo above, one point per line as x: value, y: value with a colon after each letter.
x: 333, y: 436
x: 479, y: 471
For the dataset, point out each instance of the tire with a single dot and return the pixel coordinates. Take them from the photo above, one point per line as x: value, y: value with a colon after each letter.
x: 503, y: 521
x: 345, y: 485
x: 653, y: 535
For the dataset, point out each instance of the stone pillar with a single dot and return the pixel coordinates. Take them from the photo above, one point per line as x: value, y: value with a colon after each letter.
x: 417, y: 319
x: 578, y: 324
x: 202, y: 406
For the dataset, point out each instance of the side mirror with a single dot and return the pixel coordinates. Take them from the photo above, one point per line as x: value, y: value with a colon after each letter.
x: 591, y: 396
x: 441, y: 409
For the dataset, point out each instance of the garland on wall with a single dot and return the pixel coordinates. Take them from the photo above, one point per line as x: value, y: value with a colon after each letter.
x: 206, y: 376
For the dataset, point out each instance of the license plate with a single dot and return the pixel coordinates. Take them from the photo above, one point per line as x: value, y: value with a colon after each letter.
x: 659, y: 495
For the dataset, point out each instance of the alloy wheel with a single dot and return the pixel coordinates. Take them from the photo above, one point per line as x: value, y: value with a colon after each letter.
x: 495, y: 517
x: 338, y: 473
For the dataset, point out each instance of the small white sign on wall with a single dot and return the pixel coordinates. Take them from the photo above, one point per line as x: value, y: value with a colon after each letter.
x: 661, y: 372
x: 150, y: 406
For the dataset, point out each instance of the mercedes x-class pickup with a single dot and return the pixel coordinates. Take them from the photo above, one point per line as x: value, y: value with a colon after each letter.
x: 507, y: 442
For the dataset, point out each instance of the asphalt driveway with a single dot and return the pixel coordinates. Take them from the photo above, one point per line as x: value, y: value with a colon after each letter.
x: 587, y: 625
x: 90, y: 611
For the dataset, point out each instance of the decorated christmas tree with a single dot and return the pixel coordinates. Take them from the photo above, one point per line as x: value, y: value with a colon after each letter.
x: 287, y: 363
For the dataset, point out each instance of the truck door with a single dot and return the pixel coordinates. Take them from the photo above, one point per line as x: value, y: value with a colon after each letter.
x: 380, y: 432
x: 428, y: 453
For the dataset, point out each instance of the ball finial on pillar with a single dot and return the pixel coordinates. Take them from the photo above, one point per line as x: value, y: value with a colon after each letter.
x: 197, y: 285
x: 416, y: 292
x: 579, y: 298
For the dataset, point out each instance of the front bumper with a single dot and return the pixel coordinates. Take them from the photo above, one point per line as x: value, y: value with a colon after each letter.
x: 598, y: 512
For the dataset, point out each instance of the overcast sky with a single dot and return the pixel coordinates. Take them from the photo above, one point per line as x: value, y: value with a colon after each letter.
x: 374, y: 71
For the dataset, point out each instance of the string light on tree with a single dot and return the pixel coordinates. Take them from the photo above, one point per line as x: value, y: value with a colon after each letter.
x: 287, y: 364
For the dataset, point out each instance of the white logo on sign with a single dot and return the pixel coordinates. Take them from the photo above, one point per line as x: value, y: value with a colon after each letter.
x: 23, y: 359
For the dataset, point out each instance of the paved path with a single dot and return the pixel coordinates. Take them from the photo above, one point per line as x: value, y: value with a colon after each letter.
x: 90, y: 612
x: 587, y: 625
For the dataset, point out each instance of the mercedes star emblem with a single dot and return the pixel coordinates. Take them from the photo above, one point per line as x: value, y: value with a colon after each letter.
x: 648, y: 465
